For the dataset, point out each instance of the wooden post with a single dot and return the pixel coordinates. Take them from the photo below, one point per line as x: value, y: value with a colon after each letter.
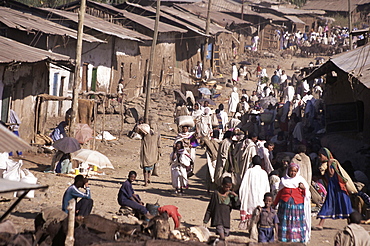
x: 242, y: 13
x: 122, y: 118
x: 95, y: 120
x: 36, y: 127
x: 350, y: 25
x: 103, y: 121
x: 77, y: 78
x: 205, y: 50
x: 151, y: 62
x: 71, y: 222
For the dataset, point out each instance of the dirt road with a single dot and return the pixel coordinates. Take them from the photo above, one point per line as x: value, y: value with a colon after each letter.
x: 124, y: 155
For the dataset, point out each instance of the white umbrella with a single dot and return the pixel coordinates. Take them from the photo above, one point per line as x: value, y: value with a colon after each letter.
x: 92, y: 157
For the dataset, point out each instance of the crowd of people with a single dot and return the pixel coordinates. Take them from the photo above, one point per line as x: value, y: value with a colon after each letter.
x: 333, y: 36
x: 263, y: 159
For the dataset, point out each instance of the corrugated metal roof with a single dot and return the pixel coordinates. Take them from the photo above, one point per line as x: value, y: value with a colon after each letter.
x: 142, y: 20
x: 355, y: 62
x: 101, y: 25
x: 234, y: 7
x: 295, y: 19
x: 290, y: 11
x: 333, y: 5
x: 216, y: 16
x: 167, y: 16
x: 13, y: 51
x: 11, y: 186
x: 147, y: 22
x: 177, y: 1
x: 360, y: 31
x: 9, y: 141
x: 193, y: 20
x: 30, y: 23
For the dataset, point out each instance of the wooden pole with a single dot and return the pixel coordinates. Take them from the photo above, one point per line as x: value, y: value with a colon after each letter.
x: 205, y: 50
x: 71, y: 223
x: 95, y: 120
x: 77, y: 78
x: 36, y: 119
x: 122, y: 118
x: 151, y: 62
x: 242, y: 13
x: 350, y: 25
x: 103, y: 122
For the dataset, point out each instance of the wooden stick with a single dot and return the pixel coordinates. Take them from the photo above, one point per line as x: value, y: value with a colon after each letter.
x: 71, y: 222
x: 122, y: 118
x: 95, y: 120
x: 36, y: 119
x: 103, y: 123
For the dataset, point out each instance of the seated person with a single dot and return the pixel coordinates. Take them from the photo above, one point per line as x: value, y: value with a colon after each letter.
x: 64, y: 165
x: 128, y: 198
x: 84, y: 206
x: 59, y: 132
x: 353, y: 234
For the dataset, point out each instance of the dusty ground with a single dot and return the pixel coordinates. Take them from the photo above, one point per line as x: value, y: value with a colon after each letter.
x: 124, y: 155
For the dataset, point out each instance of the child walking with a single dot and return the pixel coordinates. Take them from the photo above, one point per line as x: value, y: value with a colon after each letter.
x: 219, y: 208
x: 180, y: 161
x: 268, y: 220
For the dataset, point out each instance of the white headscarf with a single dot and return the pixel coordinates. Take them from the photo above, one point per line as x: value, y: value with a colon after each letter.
x: 293, y: 183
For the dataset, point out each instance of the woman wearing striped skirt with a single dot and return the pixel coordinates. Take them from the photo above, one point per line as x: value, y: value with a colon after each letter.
x: 294, y: 212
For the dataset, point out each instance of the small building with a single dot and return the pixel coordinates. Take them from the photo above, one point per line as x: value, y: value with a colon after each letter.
x: 37, y: 32
x: 359, y: 9
x: 347, y: 91
x: 265, y: 25
x: 27, y: 72
x: 123, y: 53
x: 298, y: 19
x: 242, y: 30
x: 165, y: 58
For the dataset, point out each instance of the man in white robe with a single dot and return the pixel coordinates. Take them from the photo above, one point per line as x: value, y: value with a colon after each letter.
x: 289, y: 93
x: 254, y: 185
x: 234, y: 73
x: 233, y: 101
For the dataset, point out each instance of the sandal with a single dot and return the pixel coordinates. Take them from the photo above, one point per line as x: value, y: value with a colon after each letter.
x: 318, y: 228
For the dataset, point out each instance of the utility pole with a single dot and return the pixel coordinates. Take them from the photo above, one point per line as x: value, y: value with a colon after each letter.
x: 242, y: 13
x: 151, y: 62
x: 77, y: 78
x: 350, y: 25
x: 205, y: 50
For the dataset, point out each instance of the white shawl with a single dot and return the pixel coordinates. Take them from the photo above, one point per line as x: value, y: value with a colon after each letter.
x: 254, y: 185
x: 294, y: 183
x: 234, y: 100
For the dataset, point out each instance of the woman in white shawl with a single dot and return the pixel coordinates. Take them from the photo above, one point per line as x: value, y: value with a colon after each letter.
x: 204, y: 124
x: 186, y: 138
x: 294, y: 212
x: 197, y: 111
x: 234, y: 72
x: 233, y: 101
x: 180, y: 161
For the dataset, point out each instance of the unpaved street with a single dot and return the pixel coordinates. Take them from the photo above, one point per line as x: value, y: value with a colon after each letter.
x: 124, y: 155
